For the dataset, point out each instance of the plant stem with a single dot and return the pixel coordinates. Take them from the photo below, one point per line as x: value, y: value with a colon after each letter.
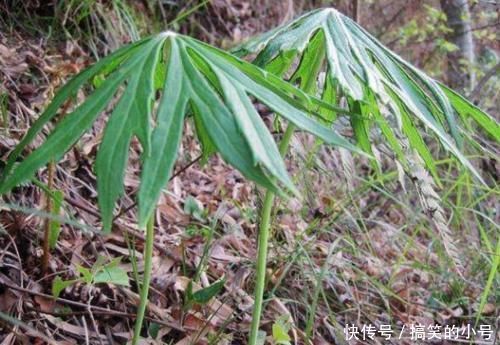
x: 146, y: 280
x: 51, y: 168
x: 319, y: 279
x: 265, y: 220
x: 46, y: 235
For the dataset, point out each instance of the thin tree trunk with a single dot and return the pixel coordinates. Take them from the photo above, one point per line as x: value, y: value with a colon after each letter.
x: 355, y: 10
x: 460, y: 74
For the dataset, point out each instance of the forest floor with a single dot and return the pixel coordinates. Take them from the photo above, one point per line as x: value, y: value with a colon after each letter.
x: 356, y: 250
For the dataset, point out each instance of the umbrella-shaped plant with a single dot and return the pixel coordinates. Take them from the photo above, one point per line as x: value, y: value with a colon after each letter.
x: 331, y: 57
x: 336, y: 60
x: 214, y: 87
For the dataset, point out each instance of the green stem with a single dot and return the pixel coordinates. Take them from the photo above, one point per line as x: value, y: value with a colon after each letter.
x: 146, y: 280
x: 46, y: 237
x: 265, y: 221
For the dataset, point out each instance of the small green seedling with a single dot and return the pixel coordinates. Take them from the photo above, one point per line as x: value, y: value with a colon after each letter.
x: 204, y: 295
x: 99, y: 273
x: 194, y: 208
x: 55, y: 224
x: 281, y: 327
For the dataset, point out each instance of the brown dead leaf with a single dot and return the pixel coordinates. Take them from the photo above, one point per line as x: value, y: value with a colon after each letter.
x: 46, y: 305
x: 7, y: 301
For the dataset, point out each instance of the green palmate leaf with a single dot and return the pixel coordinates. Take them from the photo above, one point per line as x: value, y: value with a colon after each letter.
x: 182, y: 73
x: 64, y: 94
x: 63, y: 137
x: 375, y: 81
x: 131, y: 116
x: 87, y: 275
x: 469, y: 111
x: 329, y: 96
x: 58, y: 285
x: 360, y: 125
x: 109, y: 273
x: 204, y: 295
x: 284, y: 99
x: 280, y: 331
x: 166, y: 135
x: 193, y: 208
x: 114, y: 275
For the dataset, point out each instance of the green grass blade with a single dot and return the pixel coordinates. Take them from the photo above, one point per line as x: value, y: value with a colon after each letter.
x: 489, y: 283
